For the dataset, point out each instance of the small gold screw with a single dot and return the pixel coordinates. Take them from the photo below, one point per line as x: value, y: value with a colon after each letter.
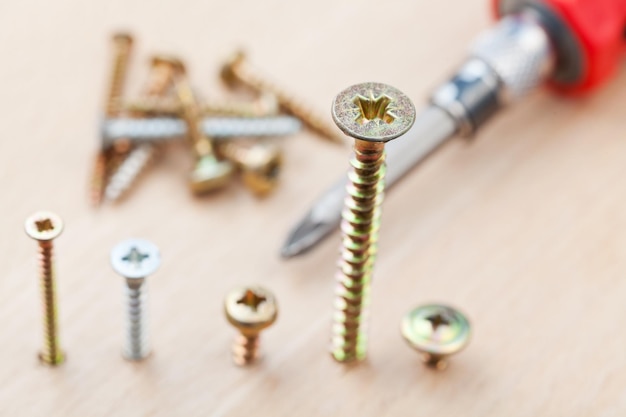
x: 122, y: 46
x: 250, y: 310
x: 209, y: 173
x: 44, y: 227
x: 238, y: 71
x: 436, y: 331
x: 102, y: 168
x: 372, y: 113
x: 260, y: 163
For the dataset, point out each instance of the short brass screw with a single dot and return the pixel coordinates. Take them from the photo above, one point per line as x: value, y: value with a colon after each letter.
x: 250, y: 309
x: 238, y: 71
x: 436, y: 331
x: 44, y: 227
x: 209, y: 172
x: 372, y: 113
x: 260, y: 163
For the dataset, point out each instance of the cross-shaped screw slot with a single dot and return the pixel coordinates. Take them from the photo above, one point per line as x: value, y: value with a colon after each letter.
x: 374, y: 108
x: 135, y: 257
x: 251, y: 300
x: 44, y: 225
x: 437, y: 320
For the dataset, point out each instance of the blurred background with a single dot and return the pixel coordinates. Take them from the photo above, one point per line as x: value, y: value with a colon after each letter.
x: 520, y: 226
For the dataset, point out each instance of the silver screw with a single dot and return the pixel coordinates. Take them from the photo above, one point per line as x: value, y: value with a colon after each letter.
x: 129, y: 171
x: 136, y: 259
x: 159, y: 129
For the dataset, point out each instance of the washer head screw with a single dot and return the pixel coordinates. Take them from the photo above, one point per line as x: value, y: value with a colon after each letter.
x: 436, y: 331
x: 250, y: 309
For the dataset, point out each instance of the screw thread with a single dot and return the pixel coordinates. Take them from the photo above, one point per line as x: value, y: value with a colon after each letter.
x: 137, y: 345
x: 245, y: 349
x: 163, y: 129
x: 250, y: 127
x: 122, y: 45
x: 248, y: 76
x: 360, y: 225
x: 151, y: 106
x: 51, y: 352
x: 129, y: 171
x: 131, y: 165
x: 98, y: 179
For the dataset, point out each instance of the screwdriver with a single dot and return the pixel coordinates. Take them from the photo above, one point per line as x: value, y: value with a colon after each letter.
x: 573, y: 46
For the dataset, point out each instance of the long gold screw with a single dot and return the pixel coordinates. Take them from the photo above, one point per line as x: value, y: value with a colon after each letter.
x: 44, y: 227
x: 251, y: 310
x: 209, y: 173
x: 122, y: 47
x: 238, y: 70
x: 372, y: 113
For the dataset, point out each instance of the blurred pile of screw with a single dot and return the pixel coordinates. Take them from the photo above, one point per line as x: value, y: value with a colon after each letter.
x: 224, y: 137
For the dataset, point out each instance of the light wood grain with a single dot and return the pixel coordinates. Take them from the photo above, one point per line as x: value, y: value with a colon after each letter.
x: 524, y: 227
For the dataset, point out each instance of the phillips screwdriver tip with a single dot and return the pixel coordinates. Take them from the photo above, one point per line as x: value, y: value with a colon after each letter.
x: 305, y: 236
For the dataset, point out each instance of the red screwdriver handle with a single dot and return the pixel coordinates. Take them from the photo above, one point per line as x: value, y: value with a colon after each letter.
x: 598, y: 30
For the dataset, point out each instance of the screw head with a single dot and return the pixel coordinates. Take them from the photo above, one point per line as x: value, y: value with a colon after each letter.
x: 43, y: 226
x: 250, y: 309
x: 209, y: 174
x: 170, y: 61
x: 123, y: 38
x: 262, y: 167
x: 373, y: 112
x: 227, y: 72
x: 436, y: 331
x: 135, y: 258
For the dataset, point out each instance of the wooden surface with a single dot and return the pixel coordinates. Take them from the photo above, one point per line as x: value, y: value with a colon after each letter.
x: 523, y: 228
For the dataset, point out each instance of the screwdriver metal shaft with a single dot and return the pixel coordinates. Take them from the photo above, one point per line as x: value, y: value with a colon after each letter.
x: 432, y: 128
